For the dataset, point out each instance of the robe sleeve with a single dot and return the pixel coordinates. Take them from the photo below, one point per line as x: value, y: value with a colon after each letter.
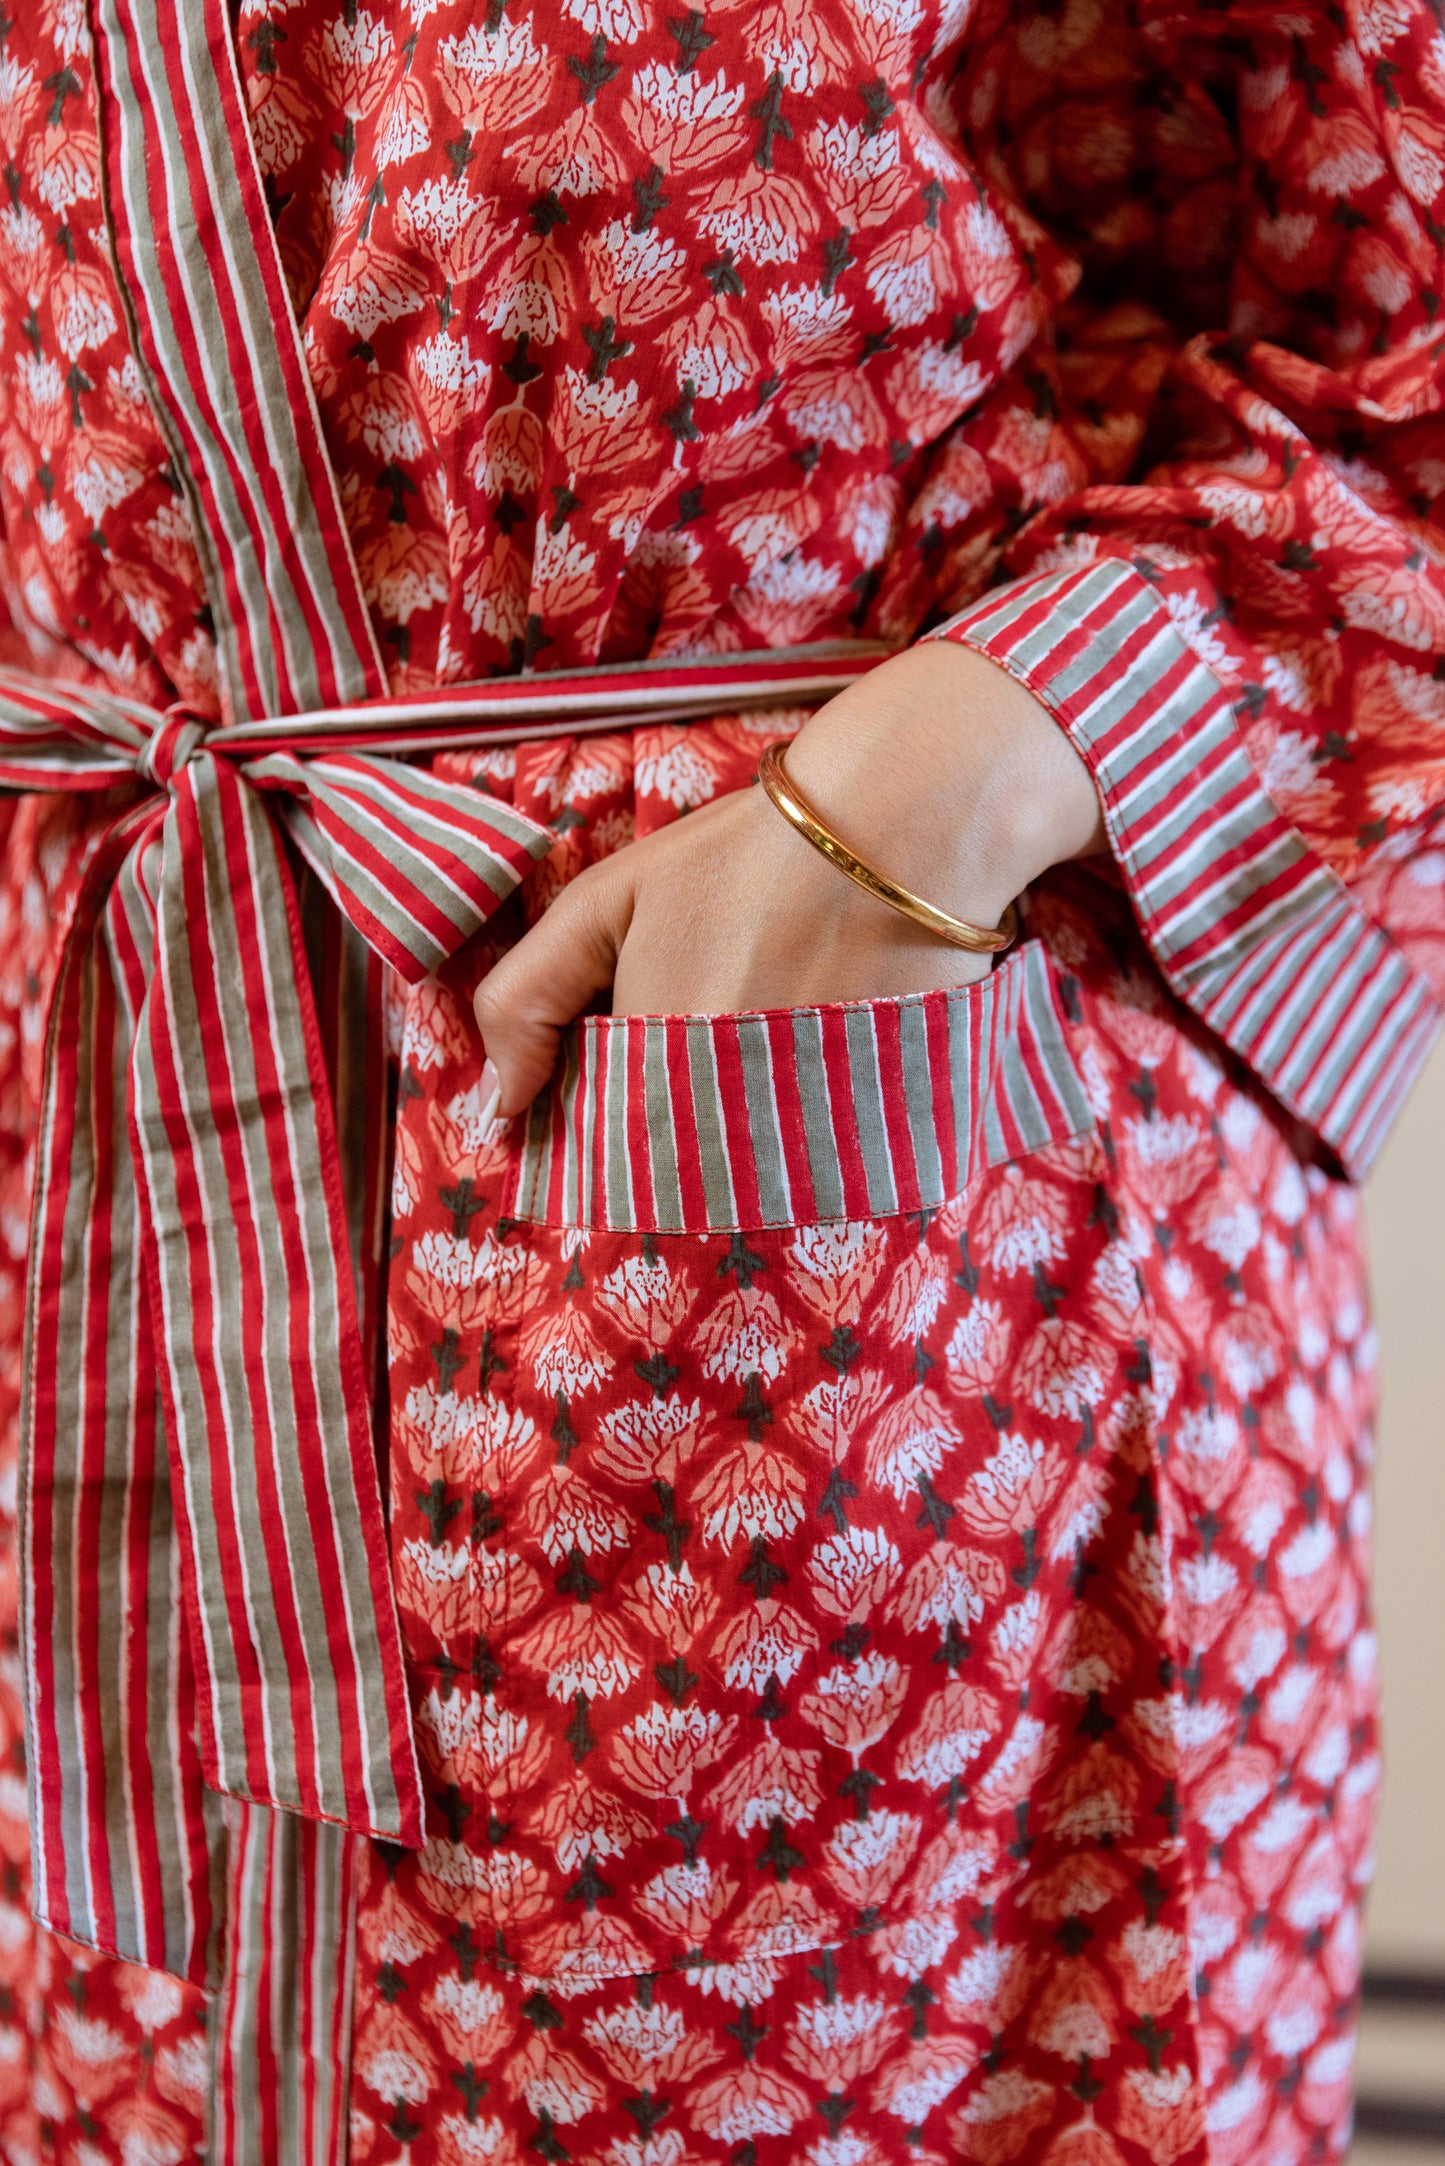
x: 1247, y: 645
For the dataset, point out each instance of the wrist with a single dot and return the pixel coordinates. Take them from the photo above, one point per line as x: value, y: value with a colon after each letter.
x: 951, y: 777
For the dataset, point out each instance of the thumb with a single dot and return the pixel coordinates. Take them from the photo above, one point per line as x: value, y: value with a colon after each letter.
x: 526, y: 1001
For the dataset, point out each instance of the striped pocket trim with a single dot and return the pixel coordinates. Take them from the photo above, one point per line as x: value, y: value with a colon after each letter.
x: 1263, y: 941
x: 798, y: 1116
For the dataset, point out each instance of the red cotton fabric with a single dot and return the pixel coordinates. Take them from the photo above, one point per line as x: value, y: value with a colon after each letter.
x: 862, y: 1721
x: 859, y: 1648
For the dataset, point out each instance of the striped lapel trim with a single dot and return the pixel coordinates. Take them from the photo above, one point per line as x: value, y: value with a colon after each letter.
x: 213, y: 329
x: 1261, y: 939
x: 696, y: 1124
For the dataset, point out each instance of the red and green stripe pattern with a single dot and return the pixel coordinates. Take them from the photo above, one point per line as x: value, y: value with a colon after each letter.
x: 1261, y: 939
x: 192, y: 1244
x: 692, y: 1124
x: 214, y: 335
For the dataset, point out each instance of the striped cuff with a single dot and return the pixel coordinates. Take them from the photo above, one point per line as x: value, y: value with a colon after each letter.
x: 1263, y: 942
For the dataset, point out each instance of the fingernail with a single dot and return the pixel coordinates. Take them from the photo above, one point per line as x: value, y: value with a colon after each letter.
x: 491, y: 1091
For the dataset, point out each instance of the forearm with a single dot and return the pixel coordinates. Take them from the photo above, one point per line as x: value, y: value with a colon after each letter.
x: 951, y: 777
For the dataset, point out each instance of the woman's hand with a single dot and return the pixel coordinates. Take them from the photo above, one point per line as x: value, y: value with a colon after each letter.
x: 937, y: 768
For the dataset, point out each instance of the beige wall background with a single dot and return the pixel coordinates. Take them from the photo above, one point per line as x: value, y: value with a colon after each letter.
x: 1405, y: 1220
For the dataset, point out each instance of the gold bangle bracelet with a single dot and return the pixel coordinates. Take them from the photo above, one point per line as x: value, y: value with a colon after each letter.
x: 785, y: 794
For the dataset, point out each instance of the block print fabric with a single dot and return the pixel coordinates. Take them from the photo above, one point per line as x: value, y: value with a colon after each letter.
x: 888, y: 1688
x: 878, y: 1505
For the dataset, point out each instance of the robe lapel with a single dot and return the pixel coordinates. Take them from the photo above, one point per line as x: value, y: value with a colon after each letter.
x: 214, y: 333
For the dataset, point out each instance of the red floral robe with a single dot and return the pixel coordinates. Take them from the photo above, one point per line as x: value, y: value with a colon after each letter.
x: 877, y: 1495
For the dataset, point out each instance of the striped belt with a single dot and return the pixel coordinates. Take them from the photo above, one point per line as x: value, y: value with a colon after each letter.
x: 206, y: 1603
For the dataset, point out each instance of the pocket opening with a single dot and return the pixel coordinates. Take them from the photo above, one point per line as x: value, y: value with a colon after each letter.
x: 800, y: 1116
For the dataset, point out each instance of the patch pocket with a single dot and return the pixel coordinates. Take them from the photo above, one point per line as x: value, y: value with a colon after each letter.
x: 801, y: 1116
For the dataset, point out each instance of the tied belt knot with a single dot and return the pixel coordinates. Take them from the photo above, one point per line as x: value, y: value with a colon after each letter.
x: 169, y: 748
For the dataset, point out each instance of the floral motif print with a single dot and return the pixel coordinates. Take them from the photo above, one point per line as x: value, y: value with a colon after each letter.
x: 887, y: 1689
x: 770, y: 325
x: 633, y: 331
x: 1226, y: 253
x: 664, y: 367
x: 98, y: 569
x: 1075, y: 231
x: 1214, y: 245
